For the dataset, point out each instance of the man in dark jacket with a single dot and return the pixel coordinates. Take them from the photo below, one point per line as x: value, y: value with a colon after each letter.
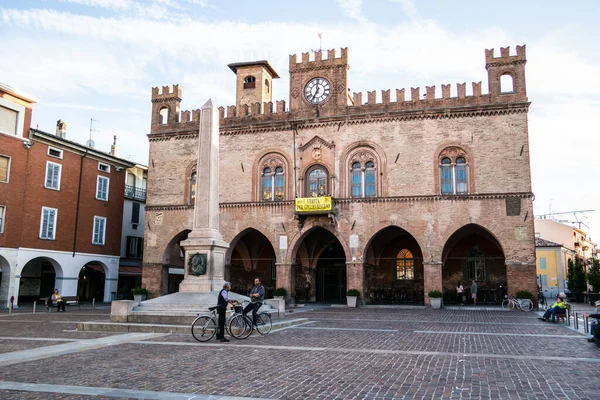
x: 257, y: 297
x: 222, y: 302
x: 595, y: 328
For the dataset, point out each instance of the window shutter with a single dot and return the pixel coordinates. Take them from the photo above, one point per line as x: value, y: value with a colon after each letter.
x: 44, y: 223
x: 51, y: 223
x: 55, y: 175
x: 140, y: 248
x: 128, y: 247
x: 135, y: 213
x: 3, y: 169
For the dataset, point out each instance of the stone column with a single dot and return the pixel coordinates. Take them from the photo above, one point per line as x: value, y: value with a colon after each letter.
x: 205, y: 248
x: 432, y: 279
x: 152, y: 276
x: 284, y: 277
x: 355, y: 277
x: 521, y: 276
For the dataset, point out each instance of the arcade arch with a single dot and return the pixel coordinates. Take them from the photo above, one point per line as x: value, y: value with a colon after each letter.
x: 473, y: 253
x: 38, y: 279
x: 173, y: 261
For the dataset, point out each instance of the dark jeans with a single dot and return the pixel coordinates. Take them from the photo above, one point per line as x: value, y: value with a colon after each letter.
x: 595, y: 330
x: 254, y: 307
x: 60, y: 304
x: 221, y: 314
x: 553, y: 311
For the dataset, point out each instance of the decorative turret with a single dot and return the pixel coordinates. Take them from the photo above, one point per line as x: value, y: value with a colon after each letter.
x: 165, y: 105
x: 254, y: 83
x: 506, y: 74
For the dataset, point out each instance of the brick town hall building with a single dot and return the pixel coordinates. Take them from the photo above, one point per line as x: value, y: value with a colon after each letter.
x: 393, y: 198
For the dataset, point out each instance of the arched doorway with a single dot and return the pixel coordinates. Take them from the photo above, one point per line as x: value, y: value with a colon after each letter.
x: 38, y: 279
x: 319, y: 268
x: 90, y: 285
x: 4, y: 282
x: 250, y: 255
x: 473, y: 253
x: 393, y: 265
x: 173, y: 261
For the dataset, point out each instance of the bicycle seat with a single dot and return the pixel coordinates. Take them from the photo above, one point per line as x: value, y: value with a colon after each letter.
x: 212, y: 308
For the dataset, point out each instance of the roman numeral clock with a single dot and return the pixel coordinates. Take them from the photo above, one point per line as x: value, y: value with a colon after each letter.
x: 317, y: 90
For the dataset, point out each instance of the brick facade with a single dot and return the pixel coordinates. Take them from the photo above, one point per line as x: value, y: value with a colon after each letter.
x: 405, y: 141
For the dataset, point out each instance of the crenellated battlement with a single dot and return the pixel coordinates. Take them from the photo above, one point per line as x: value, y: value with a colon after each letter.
x: 168, y: 92
x: 318, y: 60
x: 505, y: 57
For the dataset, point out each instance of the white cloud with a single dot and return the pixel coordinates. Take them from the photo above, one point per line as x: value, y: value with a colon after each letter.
x: 409, y: 7
x: 112, y: 4
x: 352, y: 8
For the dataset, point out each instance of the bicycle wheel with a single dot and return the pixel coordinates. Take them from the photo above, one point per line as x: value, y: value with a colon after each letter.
x: 263, y: 323
x: 526, y: 305
x: 204, y: 328
x: 507, y: 304
x: 240, y: 327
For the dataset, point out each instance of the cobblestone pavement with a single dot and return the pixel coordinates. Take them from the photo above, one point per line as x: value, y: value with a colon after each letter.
x: 365, y: 353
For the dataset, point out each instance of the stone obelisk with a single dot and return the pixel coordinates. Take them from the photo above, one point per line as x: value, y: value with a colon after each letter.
x: 205, y: 248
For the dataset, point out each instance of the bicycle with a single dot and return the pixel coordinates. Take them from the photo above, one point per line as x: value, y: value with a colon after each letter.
x: 512, y: 303
x: 205, y: 326
x: 241, y: 326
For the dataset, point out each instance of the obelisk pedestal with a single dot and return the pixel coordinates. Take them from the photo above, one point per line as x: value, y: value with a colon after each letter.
x: 205, y: 248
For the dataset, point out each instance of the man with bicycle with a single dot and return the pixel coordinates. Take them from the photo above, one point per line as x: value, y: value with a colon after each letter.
x: 257, y: 297
x: 222, y: 303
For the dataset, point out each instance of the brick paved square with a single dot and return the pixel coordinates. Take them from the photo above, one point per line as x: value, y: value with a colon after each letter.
x: 365, y: 353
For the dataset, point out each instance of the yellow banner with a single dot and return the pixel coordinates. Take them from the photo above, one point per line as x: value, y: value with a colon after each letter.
x: 313, y: 204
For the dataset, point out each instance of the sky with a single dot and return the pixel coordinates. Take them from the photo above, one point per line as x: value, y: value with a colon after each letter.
x: 99, y: 59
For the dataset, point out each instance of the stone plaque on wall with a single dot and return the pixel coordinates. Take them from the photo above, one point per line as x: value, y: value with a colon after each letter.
x: 197, y: 264
x: 513, y: 206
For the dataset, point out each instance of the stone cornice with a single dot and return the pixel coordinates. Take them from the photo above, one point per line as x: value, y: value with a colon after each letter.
x: 181, y: 207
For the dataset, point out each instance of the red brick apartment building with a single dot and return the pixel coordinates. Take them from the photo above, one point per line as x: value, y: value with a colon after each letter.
x: 394, y: 194
x: 61, y: 210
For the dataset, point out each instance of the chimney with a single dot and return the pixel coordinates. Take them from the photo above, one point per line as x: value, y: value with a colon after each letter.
x: 114, y: 150
x: 61, y: 129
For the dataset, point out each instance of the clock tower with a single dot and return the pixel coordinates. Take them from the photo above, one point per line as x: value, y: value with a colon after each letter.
x: 319, y: 87
x: 254, y: 83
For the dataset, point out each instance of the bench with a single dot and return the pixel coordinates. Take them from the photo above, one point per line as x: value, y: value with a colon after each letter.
x: 563, y: 317
x: 69, y: 301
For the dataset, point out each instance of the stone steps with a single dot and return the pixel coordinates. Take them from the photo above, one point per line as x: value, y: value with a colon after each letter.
x: 165, y: 328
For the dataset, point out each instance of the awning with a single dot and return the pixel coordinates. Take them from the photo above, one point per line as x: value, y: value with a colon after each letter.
x: 130, y: 271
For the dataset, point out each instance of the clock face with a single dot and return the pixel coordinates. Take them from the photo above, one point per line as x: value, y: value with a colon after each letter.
x: 317, y: 90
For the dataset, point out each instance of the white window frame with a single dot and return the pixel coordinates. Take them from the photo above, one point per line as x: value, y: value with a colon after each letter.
x: 7, y: 169
x: 2, y: 217
x: 452, y: 167
x: 48, y: 163
x: 100, y: 165
x: 100, y: 177
x: 97, y: 219
x: 55, y: 149
x: 44, y: 235
x: 20, y: 117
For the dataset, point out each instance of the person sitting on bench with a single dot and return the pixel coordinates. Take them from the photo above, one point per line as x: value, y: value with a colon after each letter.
x: 559, y: 307
x: 58, y: 301
x: 595, y: 328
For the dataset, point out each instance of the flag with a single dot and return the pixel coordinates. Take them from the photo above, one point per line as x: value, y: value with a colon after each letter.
x: 320, y: 35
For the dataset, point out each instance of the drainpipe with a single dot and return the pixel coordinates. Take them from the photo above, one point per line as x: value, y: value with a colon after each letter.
x: 78, y: 200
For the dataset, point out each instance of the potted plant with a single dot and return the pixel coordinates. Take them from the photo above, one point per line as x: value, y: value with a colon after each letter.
x: 351, y: 297
x: 140, y: 294
x: 279, y: 293
x: 435, y: 296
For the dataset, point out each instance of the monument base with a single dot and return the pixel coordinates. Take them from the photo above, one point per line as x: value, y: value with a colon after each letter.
x: 204, y: 264
x: 200, y: 284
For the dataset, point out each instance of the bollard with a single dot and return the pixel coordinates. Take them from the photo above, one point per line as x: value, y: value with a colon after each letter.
x: 568, y: 317
x: 34, y: 304
x: 586, y: 328
x: 10, y: 308
x: 94, y: 302
x: 576, y: 321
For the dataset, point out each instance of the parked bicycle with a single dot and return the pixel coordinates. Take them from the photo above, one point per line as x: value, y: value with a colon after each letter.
x: 241, y: 326
x: 205, y: 326
x: 511, y: 303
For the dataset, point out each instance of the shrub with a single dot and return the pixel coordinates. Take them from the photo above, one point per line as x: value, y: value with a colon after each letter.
x: 280, y: 292
x: 436, y: 294
x: 594, y: 276
x: 140, y: 290
x: 524, y: 294
x: 353, y: 292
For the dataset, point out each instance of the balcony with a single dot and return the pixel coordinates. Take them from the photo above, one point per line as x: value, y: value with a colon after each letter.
x: 135, y: 193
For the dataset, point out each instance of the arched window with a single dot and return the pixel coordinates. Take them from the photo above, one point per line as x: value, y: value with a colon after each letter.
x: 267, y: 86
x: 506, y: 84
x: 475, y: 265
x: 249, y: 82
x: 193, y: 188
x: 405, y: 265
x: 164, y: 115
x: 317, y: 182
x: 454, y: 172
x: 273, y: 184
x: 363, y: 179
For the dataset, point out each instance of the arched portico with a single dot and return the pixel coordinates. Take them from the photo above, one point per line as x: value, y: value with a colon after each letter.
x: 393, y: 265
x: 318, y: 271
x: 38, y: 278
x: 250, y: 255
x: 173, y: 262
x: 91, y: 283
x: 474, y: 253
x: 5, y: 278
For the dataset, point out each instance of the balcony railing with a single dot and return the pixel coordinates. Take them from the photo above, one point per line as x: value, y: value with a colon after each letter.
x: 135, y: 193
